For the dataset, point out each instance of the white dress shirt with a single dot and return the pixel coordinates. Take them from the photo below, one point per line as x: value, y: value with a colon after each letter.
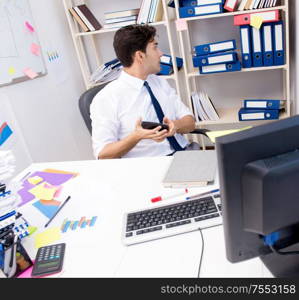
x: 116, y: 108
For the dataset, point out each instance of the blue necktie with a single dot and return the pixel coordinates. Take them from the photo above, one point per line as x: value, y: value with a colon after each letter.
x: 172, y: 140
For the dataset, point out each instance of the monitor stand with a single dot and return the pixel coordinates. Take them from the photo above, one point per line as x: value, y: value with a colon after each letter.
x: 280, y: 266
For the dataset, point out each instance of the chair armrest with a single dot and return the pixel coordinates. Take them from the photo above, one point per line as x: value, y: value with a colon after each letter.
x: 200, y: 131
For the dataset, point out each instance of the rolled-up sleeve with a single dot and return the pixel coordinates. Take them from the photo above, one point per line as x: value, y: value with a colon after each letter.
x: 103, y: 113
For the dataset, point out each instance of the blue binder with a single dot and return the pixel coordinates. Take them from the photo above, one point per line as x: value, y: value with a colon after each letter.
x: 267, y: 35
x: 278, y: 42
x: 165, y: 69
x: 220, y: 68
x: 262, y: 103
x: 213, y: 59
x: 167, y: 59
x: 258, y: 114
x: 257, y: 47
x: 216, y: 47
x: 199, y: 2
x: 246, y: 47
x: 200, y: 10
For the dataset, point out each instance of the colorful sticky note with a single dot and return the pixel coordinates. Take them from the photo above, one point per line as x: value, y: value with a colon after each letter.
x: 213, y: 134
x: 30, y: 73
x: 5, y: 133
x: 93, y: 220
x: 29, y: 26
x: 42, y: 192
x: 256, y: 21
x: 47, y: 210
x: 34, y: 180
x: 47, y: 237
x: 31, y: 229
x: 35, y: 49
x: 11, y: 70
x: 181, y: 25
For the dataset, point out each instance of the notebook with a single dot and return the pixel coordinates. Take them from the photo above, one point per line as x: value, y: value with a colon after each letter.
x: 191, y: 169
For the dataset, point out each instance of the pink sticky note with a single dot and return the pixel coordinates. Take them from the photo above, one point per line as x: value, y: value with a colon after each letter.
x: 181, y: 25
x: 35, y: 49
x: 29, y: 26
x: 30, y: 73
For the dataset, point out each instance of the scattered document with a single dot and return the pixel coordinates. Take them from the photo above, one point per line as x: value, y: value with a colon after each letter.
x: 35, y: 180
x: 47, y: 237
x: 41, y: 191
x: 214, y: 134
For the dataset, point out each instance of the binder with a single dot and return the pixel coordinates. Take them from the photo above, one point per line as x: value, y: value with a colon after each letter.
x: 257, y: 57
x: 210, y: 48
x: 201, y: 10
x: 230, y: 5
x: 214, y: 59
x: 278, y: 44
x: 263, y: 103
x: 246, y: 48
x: 267, y: 41
x: 258, y: 114
x: 268, y: 16
x: 220, y: 68
x: 199, y: 2
x: 165, y: 69
x: 167, y: 59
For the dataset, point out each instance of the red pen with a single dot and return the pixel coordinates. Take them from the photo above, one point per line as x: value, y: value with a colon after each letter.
x: 160, y: 198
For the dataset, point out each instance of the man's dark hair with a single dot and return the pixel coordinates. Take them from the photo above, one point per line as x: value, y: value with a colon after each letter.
x: 132, y: 38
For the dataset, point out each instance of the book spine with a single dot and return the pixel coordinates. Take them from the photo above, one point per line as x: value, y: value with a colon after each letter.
x: 89, y: 15
x: 78, y: 19
x: 84, y: 19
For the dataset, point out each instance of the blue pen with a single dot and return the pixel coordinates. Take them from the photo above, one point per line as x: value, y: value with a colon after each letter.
x: 202, y: 194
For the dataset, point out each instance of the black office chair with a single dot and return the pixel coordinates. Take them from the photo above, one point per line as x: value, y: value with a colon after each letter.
x: 86, y: 99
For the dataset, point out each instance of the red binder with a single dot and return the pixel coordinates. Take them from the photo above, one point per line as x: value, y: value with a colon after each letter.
x: 268, y: 16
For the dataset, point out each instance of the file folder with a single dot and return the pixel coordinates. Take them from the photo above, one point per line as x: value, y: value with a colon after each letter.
x: 210, y: 48
x: 201, y: 10
x: 167, y: 59
x: 199, y: 2
x: 214, y: 59
x: 267, y: 44
x: 220, y: 68
x: 246, y: 48
x: 267, y: 16
x: 263, y: 103
x: 165, y: 69
x: 257, y: 51
x: 278, y: 37
x: 258, y: 114
x: 230, y: 5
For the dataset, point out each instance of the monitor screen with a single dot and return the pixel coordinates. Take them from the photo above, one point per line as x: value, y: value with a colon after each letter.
x: 259, y: 176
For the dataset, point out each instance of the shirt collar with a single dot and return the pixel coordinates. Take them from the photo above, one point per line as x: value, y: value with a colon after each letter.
x: 131, y: 80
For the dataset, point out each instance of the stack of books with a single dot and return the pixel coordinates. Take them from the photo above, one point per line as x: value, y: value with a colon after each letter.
x: 216, y: 57
x: 106, y: 72
x: 261, y: 109
x: 262, y: 46
x: 203, y: 107
x: 150, y: 11
x: 251, y: 4
x: 117, y: 19
x: 167, y: 66
x: 85, y: 18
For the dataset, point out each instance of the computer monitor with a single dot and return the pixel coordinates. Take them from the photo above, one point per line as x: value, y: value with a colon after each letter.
x: 259, y: 186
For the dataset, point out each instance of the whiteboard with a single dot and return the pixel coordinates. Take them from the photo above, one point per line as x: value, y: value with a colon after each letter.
x: 17, y: 37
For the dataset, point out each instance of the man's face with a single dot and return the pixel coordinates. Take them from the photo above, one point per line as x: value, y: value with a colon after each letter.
x: 152, y: 57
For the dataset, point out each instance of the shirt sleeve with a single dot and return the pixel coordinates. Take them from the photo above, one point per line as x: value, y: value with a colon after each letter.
x: 104, y: 123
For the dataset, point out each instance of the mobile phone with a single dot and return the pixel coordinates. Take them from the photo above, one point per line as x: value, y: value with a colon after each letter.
x: 152, y: 125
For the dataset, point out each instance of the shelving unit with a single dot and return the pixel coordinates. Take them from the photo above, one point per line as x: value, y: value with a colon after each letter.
x: 193, y: 78
x: 80, y: 39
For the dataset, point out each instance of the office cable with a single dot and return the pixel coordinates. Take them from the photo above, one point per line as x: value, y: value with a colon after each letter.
x: 201, y: 255
x: 282, y: 252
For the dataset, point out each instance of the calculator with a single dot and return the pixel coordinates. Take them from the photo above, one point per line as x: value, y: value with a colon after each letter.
x: 48, y: 260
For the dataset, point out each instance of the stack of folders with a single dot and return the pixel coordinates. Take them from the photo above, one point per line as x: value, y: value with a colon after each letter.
x: 150, y: 11
x: 167, y: 65
x: 216, y: 57
x: 253, y: 4
x: 264, y: 46
x: 85, y: 18
x: 264, y: 109
x: 106, y: 72
x: 203, y: 107
x: 193, y: 8
x: 122, y: 18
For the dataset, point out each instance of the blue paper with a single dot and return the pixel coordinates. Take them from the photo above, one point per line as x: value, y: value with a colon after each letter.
x: 47, y: 210
x: 5, y: 134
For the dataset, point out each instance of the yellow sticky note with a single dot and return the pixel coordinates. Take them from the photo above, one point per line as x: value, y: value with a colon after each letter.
x: 35, y: 180
x: 47, y: 237
x: 11, y: 70
x: 42, y: 192
x: 181, y: 25
x: 213, y: 134
x: 256, y: 21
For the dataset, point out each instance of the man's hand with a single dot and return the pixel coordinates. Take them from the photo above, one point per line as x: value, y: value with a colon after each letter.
x: 171, y: 125
x: 152, y: 134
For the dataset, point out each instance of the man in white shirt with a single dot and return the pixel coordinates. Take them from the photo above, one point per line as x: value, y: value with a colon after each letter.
x: 118, y: 110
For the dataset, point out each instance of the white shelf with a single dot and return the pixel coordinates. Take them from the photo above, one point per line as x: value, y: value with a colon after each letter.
x: 229, y: 14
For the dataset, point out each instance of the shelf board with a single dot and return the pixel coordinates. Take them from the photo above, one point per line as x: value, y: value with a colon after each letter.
x: 106, y: 30
x: 196, y: 73
x: 230, y: 116
x: 229, y: 14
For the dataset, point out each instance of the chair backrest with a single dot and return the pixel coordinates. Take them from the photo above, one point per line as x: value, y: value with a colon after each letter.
x: 85, y: 101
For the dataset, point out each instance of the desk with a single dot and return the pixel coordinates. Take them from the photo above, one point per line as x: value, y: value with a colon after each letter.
x: 108, y: 188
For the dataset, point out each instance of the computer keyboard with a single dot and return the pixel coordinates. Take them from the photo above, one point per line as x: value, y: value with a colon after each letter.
x: 172, y: 219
